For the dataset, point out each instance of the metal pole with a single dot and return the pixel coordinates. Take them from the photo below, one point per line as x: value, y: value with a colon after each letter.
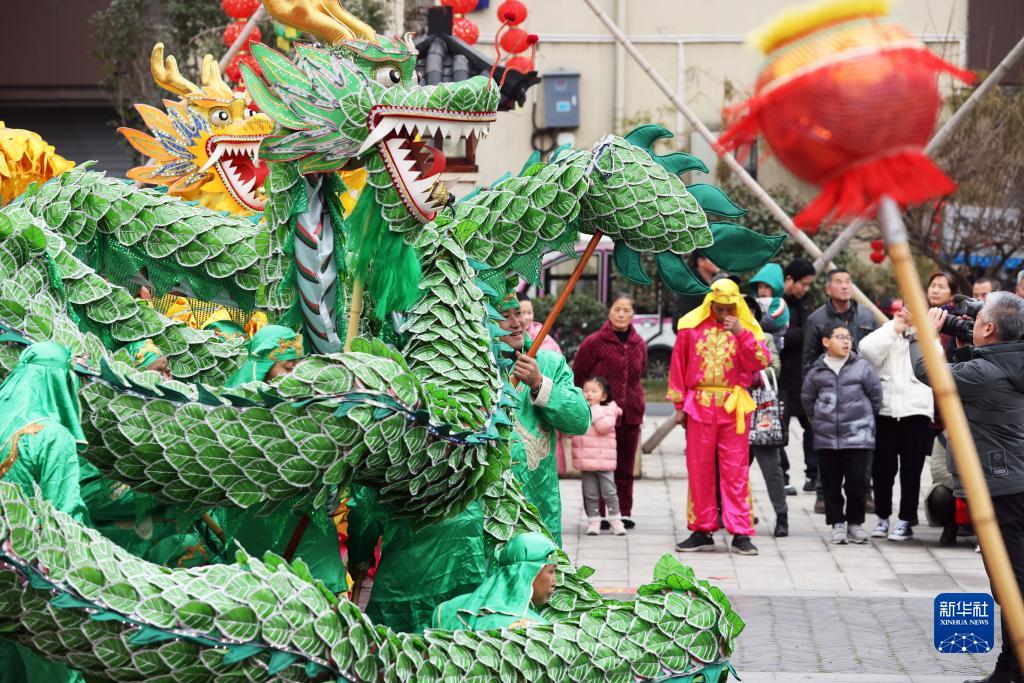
x: 759, y: 192
x: 965, y: 455
x: 242, y: 38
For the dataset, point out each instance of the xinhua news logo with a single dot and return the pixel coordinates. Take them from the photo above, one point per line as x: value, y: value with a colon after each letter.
x: 964, y: 623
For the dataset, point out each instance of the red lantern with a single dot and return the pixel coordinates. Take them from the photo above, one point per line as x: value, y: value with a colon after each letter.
x: 239, y: 9
x: 233, y: 70
x: 512, y: 12
x: 877, y: 256
x: 850, y: 108
x: 466, y: 30
x: 233, y: 30
x: 877, y: 245
x: 515, y: 40
x: 460, y: 6
x: 520, y: 63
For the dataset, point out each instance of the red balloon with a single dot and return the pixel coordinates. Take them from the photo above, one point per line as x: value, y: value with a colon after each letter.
x: 239, y: 9
x: 465, y: 29
x: 233, y: 30
x: 512, y: 12
x: 461, y: 6
x: 520, y: 63
x: 515, y: 40
x: 877, y: 256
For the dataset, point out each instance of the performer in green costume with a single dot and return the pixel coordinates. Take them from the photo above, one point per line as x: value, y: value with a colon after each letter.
x: 548, y: 401
x: 524, y: 579
x: 273, y: 352
x: 138, y: 522
x: 418, y: 569
x: 40, y: 434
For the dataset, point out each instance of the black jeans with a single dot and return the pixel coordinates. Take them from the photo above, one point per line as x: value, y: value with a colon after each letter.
x: 843, y: 470
x: 1010, y: 516
x: 900, y: 445
x: 810, y: 457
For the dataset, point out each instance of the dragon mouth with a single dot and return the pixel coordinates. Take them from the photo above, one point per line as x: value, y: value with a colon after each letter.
x: 403, y: 136
x: 237, y: 161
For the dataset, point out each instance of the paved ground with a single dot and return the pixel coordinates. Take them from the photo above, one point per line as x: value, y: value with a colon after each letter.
x: 814, y: 611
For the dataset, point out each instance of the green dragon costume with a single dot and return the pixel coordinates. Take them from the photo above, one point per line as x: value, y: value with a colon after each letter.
x: 418, y: 409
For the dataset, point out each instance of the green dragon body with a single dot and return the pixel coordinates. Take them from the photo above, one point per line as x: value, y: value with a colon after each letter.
x: 425, y: 420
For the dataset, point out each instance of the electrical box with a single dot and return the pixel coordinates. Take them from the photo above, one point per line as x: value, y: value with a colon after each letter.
x: 561, y: 99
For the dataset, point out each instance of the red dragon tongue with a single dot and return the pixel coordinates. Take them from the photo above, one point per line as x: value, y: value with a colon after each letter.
x: 437, y: 162
x: 260, y: 173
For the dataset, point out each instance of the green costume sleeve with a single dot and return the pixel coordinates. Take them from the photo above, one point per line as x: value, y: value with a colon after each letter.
x: 562, y: 407
x: 50, y: 459
x: 366, y: 522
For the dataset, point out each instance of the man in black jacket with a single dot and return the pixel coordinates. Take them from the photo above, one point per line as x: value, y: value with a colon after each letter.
x: 991, y: 387
x: 799, y: 276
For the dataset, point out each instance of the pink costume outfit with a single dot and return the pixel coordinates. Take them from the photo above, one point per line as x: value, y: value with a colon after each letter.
x: 708, y: 379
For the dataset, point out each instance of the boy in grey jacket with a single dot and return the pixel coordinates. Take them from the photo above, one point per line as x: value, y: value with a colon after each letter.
x: 841, y: 395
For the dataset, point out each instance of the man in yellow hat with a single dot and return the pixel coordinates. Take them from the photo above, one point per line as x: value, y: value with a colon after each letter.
x: 719, y: 350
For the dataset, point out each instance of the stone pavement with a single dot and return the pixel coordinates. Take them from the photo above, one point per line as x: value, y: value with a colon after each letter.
x: 814, y: 611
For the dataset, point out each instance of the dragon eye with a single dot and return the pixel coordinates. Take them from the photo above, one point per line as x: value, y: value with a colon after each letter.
x: 220, y: 116
x: 389, y: 76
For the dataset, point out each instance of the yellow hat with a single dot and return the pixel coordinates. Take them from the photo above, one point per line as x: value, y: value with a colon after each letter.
x: 728, y: 293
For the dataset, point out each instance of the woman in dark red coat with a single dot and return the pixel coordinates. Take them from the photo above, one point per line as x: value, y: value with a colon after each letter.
x: 618, y: 354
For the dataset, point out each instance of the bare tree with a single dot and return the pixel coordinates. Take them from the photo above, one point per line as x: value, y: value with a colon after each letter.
x: 985, y: 216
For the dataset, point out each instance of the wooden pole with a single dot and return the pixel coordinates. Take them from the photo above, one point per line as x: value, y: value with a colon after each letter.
x: 293, y: 542
x: 214, y: 527
x: 354, y: 313
x: 556, y: 310
x: 242, y: 38
x: 759, y: 192
x: 961, y: 444
x: 663, y: 430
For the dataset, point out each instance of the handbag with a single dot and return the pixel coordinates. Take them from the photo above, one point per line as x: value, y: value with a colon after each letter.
x: 766, y: 420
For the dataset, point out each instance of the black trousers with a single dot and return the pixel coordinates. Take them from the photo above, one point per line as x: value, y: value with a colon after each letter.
x: 843, y: 470
x: 1010, y: 516
x: 810, y: 457
x: 900, y: 445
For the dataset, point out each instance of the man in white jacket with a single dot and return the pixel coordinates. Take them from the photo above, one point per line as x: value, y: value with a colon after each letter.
x: 903, y: 436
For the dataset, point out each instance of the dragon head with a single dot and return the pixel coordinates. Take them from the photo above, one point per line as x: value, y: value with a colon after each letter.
x: 353, y: 101
x: 206, y: 145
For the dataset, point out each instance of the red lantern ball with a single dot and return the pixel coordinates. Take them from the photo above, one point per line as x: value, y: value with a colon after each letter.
x: 520, y: 63
x: 233, y: 70
x: 877, y: 245
x: 515, y: 40
x: 239, y: 9
x: 461, y: 6
x: 877, y: 256
x: 512, y: 12
x: 234, y: 29
x: 465, y: 29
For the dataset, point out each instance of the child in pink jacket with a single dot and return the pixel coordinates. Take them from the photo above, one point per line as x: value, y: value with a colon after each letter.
x: 593, y: 454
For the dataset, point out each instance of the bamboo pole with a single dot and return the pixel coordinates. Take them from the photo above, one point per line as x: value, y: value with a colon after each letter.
x: 355, y: 311
x: 556, y: 310
x: 961, y: 444
x: 663, y: 430
x: 242, y: 38
x: 214, y: 527
x: 759, y: 192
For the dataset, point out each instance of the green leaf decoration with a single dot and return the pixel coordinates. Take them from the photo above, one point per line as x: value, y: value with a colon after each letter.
x: 678, y: 277
x: 627, y: 262
x: 714, y: 200
x: 739, y: 249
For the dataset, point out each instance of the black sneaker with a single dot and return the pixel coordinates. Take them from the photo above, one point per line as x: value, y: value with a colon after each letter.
x: 790, y: 490
x: 605, y: 526
x: 809, y: 485
x: 781, y: 525
x: 698, y: 541
x: 628, y: 523
x: 743, y: 546
x: 948, y: 537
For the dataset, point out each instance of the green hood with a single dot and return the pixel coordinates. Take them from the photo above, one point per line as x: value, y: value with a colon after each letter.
x: 504, y: 597
x: 271, y: 344
x: 42, y: 385
x: 144, y: 353
x: 771, y: 275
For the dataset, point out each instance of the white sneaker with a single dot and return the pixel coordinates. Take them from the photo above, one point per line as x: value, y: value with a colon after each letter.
x: 839, y: 533
x: 858, y: 534
x: 902, y: 532
x: 881, y: 529
x: 618, y: 528
x: 594, y: 526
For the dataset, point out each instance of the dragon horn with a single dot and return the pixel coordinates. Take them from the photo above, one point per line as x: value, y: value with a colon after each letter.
x: 211, y: 78
x: 325, y: 19
x: 166, y: 74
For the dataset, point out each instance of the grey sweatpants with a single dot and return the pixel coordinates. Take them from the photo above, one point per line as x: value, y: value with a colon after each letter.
x: 771, y: 468
x: 598, y: 485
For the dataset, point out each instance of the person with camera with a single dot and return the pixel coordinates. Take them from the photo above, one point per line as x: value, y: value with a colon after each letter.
x: 991, y: 387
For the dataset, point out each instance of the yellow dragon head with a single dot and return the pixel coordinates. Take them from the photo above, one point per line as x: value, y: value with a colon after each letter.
x: 206, y: 145
x: 26, y: 158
